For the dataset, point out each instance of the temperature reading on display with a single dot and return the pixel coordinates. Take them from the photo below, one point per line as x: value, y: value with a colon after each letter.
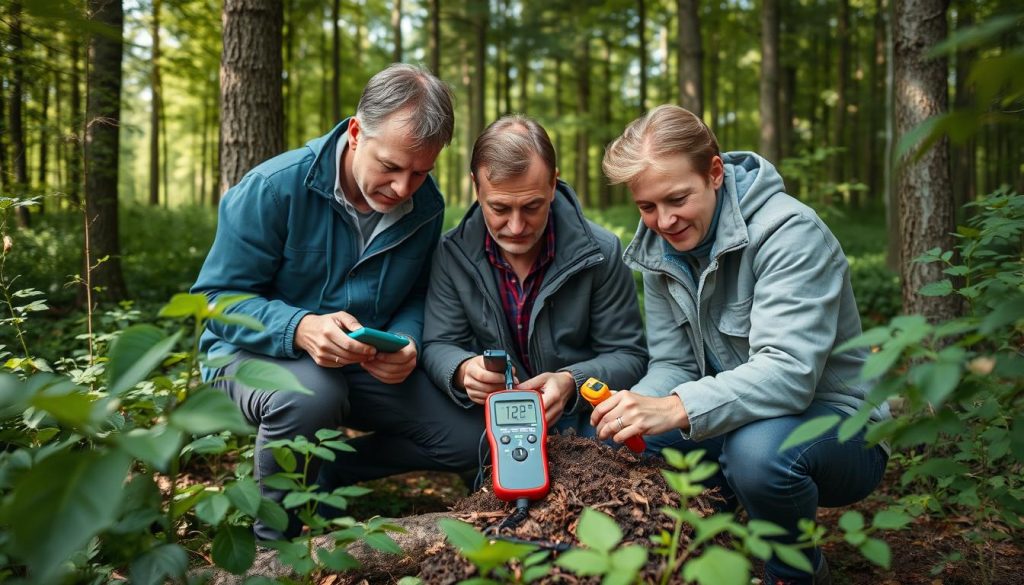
x: 517, y: 412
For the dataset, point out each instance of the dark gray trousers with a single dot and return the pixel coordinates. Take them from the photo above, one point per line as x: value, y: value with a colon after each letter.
x: 412, y: 426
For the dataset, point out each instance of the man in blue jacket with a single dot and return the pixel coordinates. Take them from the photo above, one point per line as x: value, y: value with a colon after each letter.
x: 329, y: 238
x: 527, y: 273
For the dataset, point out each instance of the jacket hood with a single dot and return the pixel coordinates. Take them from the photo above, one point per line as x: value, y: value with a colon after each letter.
x: 750, y: 181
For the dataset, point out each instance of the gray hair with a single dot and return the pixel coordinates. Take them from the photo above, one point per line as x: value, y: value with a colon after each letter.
x: 507, y: 146
x: 407, y: 88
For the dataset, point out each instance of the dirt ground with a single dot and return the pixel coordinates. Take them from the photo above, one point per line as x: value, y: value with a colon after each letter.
x: 632, y: 492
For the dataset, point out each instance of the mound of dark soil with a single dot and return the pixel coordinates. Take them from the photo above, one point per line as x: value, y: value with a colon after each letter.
x: 583, y: 474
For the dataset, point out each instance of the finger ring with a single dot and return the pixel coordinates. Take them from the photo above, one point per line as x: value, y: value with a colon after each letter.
x: 619, y: 420
x: 337, y: 359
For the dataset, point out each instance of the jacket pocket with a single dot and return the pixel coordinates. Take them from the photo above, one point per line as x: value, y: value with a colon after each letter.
x: 733, y: 319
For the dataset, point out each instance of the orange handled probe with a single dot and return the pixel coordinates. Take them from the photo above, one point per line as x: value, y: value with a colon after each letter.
x: 595, y: 392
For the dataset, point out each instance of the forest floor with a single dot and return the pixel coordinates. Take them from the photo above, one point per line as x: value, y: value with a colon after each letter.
x: 921, y: 553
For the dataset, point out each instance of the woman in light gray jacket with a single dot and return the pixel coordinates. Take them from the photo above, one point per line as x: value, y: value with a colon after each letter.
x: 747, y: 293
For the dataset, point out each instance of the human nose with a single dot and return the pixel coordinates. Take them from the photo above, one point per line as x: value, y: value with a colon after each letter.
x: 665, y: 219
x: 516, y: 225
x: 402, y: 186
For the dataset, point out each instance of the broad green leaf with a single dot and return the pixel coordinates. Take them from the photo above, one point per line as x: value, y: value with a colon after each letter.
x: 60, y: 504
x: 941, y: 288
x: 213, y: 508
x: 461, y: 535
x: 156, y: 446
x: 209, y: 411
x: 809, y: 431
x: 937, y: 380
x: 880, y: 362
x: 629, y: 558
x: 718, y: 566
x: 352, y: 491
x: 186, y: 498
x: 793, y: 557
x: 217, y: 362
x: 296, y: 499
x: 224, y: 302
x: 382, y: 542
x: 497, y: 553
x: 938, y: 468
x: 162, y: 563
x: 674, y: 458
x: 140, y: 506
x: 970, y: 37
x: 273, y: 515
x: 583, y: 562
x: 240, y: 319
x: 134, y: 354
x: 854, y: 424
x: 269, y: 376
x: 877, y: 551
x: 208, y: 445
x: 759, y: 548
x: 185, y: 305
x: 598, y: 530
x: 342, y: 446
x: 870, y: 338
x: 764, y: 528
x: 245, y: 495
x: 325, y: 434
x: 74, y: 407
x: 234, y: 548
x: 711, y: 526
x: 891, y: 520
x: 337, y: 559
x: 852, y: 521
x: 285, y: 458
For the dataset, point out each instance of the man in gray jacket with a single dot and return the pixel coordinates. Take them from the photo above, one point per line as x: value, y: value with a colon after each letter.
x: 525, y: 272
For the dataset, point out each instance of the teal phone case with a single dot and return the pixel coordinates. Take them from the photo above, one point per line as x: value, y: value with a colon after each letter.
x: 382, y: 340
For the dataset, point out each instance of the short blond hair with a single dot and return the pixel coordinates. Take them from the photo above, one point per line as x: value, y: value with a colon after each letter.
x: 665, y: 130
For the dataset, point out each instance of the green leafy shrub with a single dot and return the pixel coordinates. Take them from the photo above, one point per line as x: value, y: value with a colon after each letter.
x: 960, y: 384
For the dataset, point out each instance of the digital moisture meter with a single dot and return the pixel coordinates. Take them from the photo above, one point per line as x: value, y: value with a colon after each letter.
x: 516, y: 430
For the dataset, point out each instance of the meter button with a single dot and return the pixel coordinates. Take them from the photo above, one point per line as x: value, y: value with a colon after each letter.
x: 531, y: 438
x: 519, y: 454
x: 506, y: 439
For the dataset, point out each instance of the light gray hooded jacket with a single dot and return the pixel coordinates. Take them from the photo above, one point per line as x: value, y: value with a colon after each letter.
x: 585, y: 319
x: 770, y: 307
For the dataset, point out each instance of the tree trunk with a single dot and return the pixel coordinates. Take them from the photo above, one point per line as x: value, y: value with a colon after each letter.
x: 154, y: 112
x: 252, y: 111
x: 892, y: 201
x: 45, y: 131
x: 714, y: 61
x: 875, y: 110
x: 926, y: 201
x: 842, y: 80
x: 691, y: 58
x: 479, y: 18
x: 604, y: 190
x: 19, y: 153
x: 335, y: 62
x: 787, y: 94
x: 102, y: 145
x: 559, y: 112
x: 4, y: 171
x: 582, y: 179
x: 964, y: 166
x: 769, y: 98
x: 435, y: 37
x: 396, y: 30
x: 641, y: 33
x: 75, y: 152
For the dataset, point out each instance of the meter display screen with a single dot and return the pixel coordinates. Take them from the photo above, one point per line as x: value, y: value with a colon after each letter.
x: 516, y: 412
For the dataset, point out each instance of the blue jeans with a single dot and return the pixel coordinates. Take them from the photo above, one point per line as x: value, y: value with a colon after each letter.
x: 784, y: 487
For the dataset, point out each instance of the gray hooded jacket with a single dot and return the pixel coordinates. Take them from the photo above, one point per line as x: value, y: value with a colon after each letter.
x: 770, y: 307
x: 585, y: 319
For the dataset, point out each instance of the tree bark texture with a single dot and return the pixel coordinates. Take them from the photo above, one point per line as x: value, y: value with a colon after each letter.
x: 479, y: 17
x: 769, y: 88
x: 102, y: 144
x: 641, y: 33
x: 582, y: 181
x: 435, y: 37
x: 19, y: 153
x: 75, y: 158
x: 842, y: 97
x: 252, y: 108
x: 335, y: 62
x: 154, y: 113
x: 691, y: 58
x: 926, y: 200
x: 396, y: 30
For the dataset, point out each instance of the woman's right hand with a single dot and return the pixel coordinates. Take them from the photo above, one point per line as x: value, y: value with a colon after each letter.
x: 627, y: 414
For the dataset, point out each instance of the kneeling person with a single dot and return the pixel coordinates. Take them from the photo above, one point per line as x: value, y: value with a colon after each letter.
x: 525, y: 271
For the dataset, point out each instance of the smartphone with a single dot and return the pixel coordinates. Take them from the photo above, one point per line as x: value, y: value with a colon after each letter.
x: 382, y: 340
